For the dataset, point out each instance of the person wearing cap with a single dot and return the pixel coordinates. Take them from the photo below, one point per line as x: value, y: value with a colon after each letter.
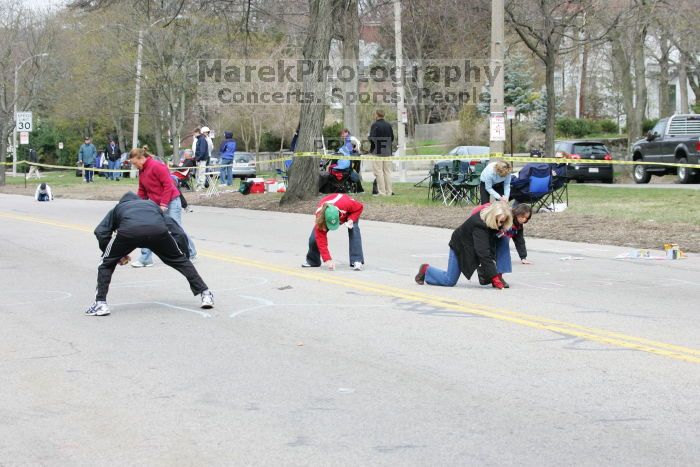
x: 334, y: 210
x: 87, y: 155
x: 227, y: 151
x: 201, y: 155
x: 43, y: 193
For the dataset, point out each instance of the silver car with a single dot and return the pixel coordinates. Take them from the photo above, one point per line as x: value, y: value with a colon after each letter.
x: 243, y: 165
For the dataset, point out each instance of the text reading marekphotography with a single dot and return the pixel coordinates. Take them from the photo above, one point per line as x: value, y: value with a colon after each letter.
x: 321, y: 82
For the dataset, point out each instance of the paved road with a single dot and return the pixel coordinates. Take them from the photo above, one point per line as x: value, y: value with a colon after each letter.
x: 586, y: 361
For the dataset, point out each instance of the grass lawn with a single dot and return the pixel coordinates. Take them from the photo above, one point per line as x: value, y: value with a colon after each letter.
x: 65, y: 178
x: 662, y: 205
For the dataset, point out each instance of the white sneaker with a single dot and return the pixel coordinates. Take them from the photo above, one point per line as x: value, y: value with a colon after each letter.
x: 139, y: 264
x: 207, y: 300
x: 357, y: 266
x: 98, y: 309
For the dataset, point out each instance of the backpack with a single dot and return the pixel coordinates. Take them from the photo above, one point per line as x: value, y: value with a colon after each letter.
x: 245, y: 188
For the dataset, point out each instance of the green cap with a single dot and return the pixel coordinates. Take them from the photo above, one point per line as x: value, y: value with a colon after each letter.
x: 332, y: 217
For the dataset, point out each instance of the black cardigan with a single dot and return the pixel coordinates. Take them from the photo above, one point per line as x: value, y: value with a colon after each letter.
x: 474, y: 243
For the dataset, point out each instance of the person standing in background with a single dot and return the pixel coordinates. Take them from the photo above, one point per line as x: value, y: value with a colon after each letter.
x: 114, y: 159
x: 201, y: 155
x: 33, y: 169
x: 87, y: 155
x: 227, y: 151
x: 381, y: 138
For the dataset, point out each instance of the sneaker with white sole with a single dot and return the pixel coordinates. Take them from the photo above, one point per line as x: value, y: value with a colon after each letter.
x: 306, y: 264
x: 207, y: 300
x: 139, y: 264
x: 98, y: 309
x: 357, y: 266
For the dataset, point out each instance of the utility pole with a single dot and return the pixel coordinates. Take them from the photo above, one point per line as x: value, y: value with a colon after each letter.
x: 400, y: 106
x: 137, y: 97
x: 497, y: 39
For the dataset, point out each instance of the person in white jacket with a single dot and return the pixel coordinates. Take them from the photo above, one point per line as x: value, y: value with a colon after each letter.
x: 43, y: 193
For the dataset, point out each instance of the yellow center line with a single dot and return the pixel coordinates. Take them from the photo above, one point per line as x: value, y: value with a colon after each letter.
x: 602, y: 336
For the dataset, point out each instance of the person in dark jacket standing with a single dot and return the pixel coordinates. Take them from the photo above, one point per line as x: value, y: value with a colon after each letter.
x: 114, y: 159
x: 472, y: 247
x: 381, y: 138
x: 134, y: 223
x: 201, y: 156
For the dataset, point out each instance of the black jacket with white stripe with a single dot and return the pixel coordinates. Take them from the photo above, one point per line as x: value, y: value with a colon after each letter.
x: 136, y: 218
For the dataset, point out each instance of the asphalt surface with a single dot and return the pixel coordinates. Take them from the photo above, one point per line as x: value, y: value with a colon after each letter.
x: 585, y: 360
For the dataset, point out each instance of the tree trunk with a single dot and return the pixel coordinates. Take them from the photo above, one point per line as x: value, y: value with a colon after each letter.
x: 683, y: 84
x: 583, y: 80
x: 303, y: 179
x: 624, y: 77
x: 640, y: 86
x: 551, y: 117
x: 157, y: 125
x: 4, y: 131
x: 664, y: 98
x: 351, y: 52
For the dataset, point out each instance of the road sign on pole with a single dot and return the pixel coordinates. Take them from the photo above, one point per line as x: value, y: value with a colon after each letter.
x: 23, y: 137
x: 510, y: 113
x: 23, y: 122
x: 498, y: 127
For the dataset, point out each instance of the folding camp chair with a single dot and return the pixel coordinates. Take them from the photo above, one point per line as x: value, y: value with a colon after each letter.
x: 212, y: 182
x: 535, y: 190
x: 560, y: 184
x: 284, y: 174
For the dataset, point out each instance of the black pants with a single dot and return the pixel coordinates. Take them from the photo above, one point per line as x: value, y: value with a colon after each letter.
x: 485, y: 196
x: 164, y: 246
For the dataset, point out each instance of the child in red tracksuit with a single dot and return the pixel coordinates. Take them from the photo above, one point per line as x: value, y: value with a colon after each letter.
x: 333, y: 210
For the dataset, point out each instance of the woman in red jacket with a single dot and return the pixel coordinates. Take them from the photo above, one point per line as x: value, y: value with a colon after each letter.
x: 334, y: 210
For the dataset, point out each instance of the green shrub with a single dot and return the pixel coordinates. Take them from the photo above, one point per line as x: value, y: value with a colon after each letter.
x: 331, y: 134
x: 608, y: 126
x: 270, y: 142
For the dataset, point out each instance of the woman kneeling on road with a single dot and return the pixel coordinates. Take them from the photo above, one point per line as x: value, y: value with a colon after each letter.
x: 472, y: 246
x: 333, y: 210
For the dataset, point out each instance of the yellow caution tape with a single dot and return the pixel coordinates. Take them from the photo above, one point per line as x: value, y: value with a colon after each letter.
x: 435, y: 157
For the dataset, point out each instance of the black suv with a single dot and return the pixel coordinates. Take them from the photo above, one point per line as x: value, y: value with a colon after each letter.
x: 674, y: 139
x: 586, y: 150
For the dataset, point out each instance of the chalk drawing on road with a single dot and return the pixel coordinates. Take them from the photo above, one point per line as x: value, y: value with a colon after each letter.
x: 36, y: 297
x: 163, y: 304
x: 263, y: 303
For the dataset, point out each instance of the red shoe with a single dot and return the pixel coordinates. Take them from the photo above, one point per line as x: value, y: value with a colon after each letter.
x: 497, y: 283
x: 505, y: 284
x: 420, y: 277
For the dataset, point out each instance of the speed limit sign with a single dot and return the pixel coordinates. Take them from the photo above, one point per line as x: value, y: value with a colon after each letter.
x: 24, y: 121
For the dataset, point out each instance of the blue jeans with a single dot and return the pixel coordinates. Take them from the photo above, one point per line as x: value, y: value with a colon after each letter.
x: 503, y: 262
x: 449, y: 278
x: 227, y: 172
x: 114, y: 165
x: 88, y: 173
x: 175, y: 211
x: 313, y: 256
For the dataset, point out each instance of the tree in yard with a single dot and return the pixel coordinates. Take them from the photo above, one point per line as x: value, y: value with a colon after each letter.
x: 24, y: 36
x: 543, y: 25
x: 517, y: 88
x: 303, y: 179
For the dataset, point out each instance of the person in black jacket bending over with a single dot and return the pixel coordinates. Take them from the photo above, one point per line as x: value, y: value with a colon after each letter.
x: 134, y: 223
x: 472, y: 247
x: 381, y: 138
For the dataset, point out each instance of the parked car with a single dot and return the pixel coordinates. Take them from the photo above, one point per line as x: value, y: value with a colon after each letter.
x: 472, y: 153
x: 243, y: 165
x: 586, y: 150
x: 674, y: 139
